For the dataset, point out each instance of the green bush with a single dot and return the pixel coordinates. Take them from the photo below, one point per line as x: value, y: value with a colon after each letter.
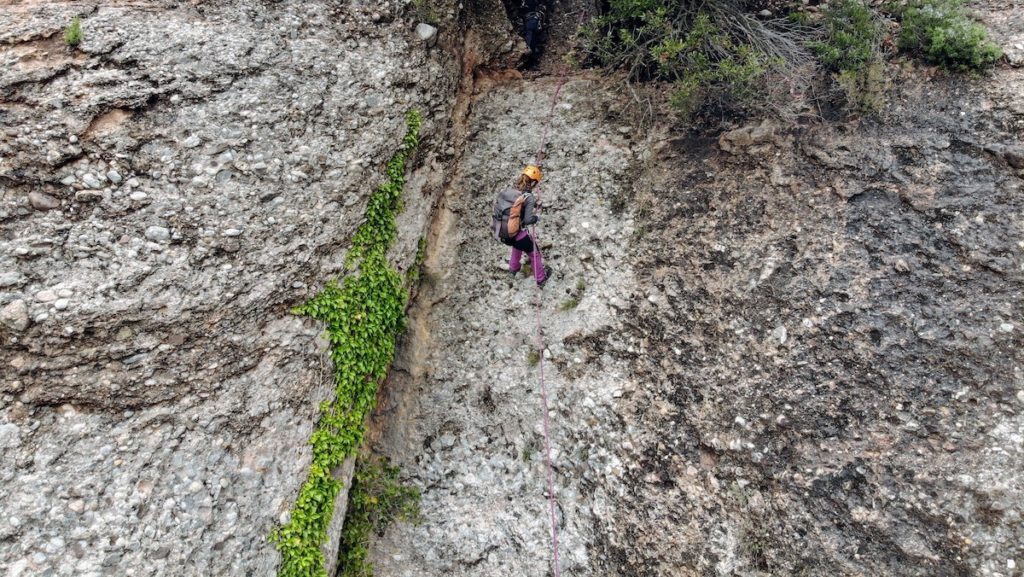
x: 941, y: 32
x: 852, y: 37
x: 801, y: 17
x: 73, y: 33
x: 375, y: 500
x: 851, y: 51
x: 710, y: 65
x: 710, y: 69
x: 864, y: 89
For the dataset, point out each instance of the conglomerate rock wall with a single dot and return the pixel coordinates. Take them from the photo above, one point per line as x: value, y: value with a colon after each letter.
x: 168, y: 190
x: 791, y: 350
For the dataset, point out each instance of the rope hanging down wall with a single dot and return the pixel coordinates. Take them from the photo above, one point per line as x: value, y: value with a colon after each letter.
x: 552, y: 500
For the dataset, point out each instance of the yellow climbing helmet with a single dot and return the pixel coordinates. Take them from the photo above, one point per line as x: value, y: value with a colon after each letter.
x: 533, y: 172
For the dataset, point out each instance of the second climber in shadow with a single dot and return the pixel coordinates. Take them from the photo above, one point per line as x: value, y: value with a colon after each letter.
x: 514, y: 210
x: 532, y: 12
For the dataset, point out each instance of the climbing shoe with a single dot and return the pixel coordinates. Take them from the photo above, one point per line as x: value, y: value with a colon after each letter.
x: 547, y: 275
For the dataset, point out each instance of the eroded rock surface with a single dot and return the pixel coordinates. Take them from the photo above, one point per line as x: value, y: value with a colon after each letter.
x: 462, y: 414
x: 798, y: 352
x: 170, y: 188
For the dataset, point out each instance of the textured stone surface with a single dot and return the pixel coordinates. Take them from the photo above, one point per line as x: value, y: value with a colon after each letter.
x: 801, y: 357
x: 211, y: 161
x: 469, y: 433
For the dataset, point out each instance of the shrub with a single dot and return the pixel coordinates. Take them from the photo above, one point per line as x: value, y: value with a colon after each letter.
x: 73, y: 33
x: 941, y: 32
x: 375, y: 501
x: 714, y: 54
x: 851, y: 50
x: 864, y: 89
x: 799, y: 17
x: 852, y: 37
x: 710, y: 69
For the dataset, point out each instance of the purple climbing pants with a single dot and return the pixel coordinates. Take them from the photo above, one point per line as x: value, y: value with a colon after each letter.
x: 524, y: 243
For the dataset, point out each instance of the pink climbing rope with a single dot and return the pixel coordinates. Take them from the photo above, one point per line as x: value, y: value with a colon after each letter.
x: 552, y: 500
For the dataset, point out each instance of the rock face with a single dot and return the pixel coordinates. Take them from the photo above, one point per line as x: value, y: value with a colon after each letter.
x: 201, y: 167
x: 828, y: 387
x: 797, y: 352
x: 461, y: 414
x: 788, y: 350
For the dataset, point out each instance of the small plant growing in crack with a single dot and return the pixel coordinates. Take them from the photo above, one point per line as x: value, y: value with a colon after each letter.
x: 376, y: 500
x: 73, y: 33
x: 529, y: 450
x: 574, y: 297
x: 412, y: 276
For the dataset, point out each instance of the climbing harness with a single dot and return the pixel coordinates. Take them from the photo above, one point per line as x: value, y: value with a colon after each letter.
x: 552, y: 500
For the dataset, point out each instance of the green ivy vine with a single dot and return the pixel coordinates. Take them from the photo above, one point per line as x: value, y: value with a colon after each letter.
x: 364, y: 315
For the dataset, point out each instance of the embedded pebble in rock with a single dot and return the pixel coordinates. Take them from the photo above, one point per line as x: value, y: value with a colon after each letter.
x: 426, y: 33
x: 11, y: 279
x: 45, y: 296
x: 88, y: 196
x: 15, y: 315
x: 114, y: 176
x: 89, y: 180
x: 158, y: 233
x: 42, y: 201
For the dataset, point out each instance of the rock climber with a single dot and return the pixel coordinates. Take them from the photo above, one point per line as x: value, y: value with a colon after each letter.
x: 532, y: 12
x: 515, y: 209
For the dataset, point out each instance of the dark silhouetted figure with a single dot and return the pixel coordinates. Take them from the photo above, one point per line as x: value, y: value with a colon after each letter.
x: 533, y: 21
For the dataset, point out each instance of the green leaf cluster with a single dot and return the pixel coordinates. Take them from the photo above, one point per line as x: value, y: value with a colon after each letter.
x: 364, y: 315
x: 852, y: 37
x: 657, y: 40
x: 73, y: 33
x: 412, y: 276
x: 851, y: 51
x: 942, y: 33
x: 710, y: 68
x: 375, y: 500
